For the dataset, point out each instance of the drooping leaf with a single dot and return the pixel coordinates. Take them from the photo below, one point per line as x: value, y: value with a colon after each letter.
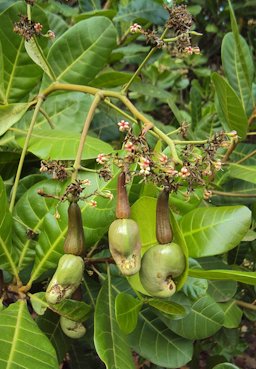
x: 127, y: 310
x: 11, y: 114
x: 155, y: 342
x: 244, y: 172
x: 232, y: 314
x: 80, y: 61
x: 36, y: 54
x: 20, y: 349
x: 204, y: 319
x: 8, y: 257
x: 61, y: 145
x: 110, y: 343
x: 71, y: 309
x: 232, y: 110
x: 145, y: 9
x: 215, y: 230
x: 238, y: 65
x: 233, y: 275
x: 21, y: 74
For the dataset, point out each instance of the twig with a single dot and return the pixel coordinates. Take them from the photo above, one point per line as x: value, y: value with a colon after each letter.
x: 233, y: 194
x: 246, y: 305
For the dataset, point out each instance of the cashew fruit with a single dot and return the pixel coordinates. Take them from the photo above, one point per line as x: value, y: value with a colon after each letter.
x: 125, y: 246
x: 66, y: 279
x: 71, y: 328
x: 164, y: 232
x: 160, y: 265
x: 74, y: 241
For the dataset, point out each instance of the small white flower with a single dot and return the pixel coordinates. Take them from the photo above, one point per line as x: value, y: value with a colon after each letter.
x: 217, y: 165
x: 86, y: 182
x: 129, y: 146
x: 93, y: 203
x: 163, y: 158
x: 135, y: 28
x: 123, y: 125
x: 101, y: 159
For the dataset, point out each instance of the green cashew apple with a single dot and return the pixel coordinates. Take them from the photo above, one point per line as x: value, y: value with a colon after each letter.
x: 160, y: 265
x: 125, y: 245
x: 71, y: 328
x: 66, y: 279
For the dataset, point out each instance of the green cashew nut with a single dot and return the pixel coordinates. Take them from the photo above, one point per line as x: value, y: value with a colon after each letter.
x: 75, y: 241
x: 160, y: 265
x: 66, y: 279
x: 125, y: 246
x: 71, y: 328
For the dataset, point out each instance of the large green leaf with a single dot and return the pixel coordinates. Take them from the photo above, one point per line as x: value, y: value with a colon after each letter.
x: 22, y: 344
x: 244, y: 172
x: 96, y: 222
x: 49, y: 323
x: 233, y: 275
x: 222, y: 291
x: 244, y: 61
x: 225, y: 366
x: 67, y: 111
x: 8, y: 257
x: 214, y: 230
x: 127, y: 310
x: 168, y: 307
x: 29, y: 213
x: 11, y: 114
x: 204, y: 319
x: 238, y: 65
x: 146, y: 9
x: 230, y: 105
x: 21, y: 75
x: 82, y: 51
x: 155, y: 342
x: 232, y: 314
x: 61, y: 145
x: 110, y: 343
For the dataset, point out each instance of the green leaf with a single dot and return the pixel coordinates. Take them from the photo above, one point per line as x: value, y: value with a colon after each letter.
x: 108, y: 13
x: 29, y: 213
x: 168, y: 307
x: 127, y: 310
x: 232, y: 110
x: 50, y: 325
x: 145, y: 9
x: 11, y: 114
x: 238, y: 65
x: 225, y: 366
x: 222, y: 291
x: 82, y: 51
x: 195, y: 288
x: 61, y: 145
x: 232, y: 314
x: 155, y: 342
x: 110, y: 343
x: 22, y: 343
x: 66, y: 111
x: 196, y: 106
x: 96, y: 221
x: 215, y: 230
x: 112, y: 79
x: 21, y: 75
x: 204, y: 319
x: 233, y: 275
x: 244, y: 172
x: 36, y: 54
x: 8, y: 256
x: 71, y: 309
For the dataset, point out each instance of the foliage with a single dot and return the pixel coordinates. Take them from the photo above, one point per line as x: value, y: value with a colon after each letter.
x: 92, y: 89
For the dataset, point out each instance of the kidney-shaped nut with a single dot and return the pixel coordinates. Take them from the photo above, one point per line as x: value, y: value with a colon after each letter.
x: 66, y: 279
x: 125, y: 245
x: 71, y: 328
x: 160, y: 265
x: 74, y: 241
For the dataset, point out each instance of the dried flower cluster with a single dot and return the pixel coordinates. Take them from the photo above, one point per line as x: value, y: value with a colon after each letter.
x: 27, y: 28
